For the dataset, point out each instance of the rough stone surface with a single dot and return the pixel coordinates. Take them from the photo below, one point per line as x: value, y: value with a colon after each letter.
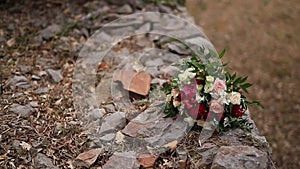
x: 125, y: 9
x: 156, y: 62
x: 243, y: 157
x: 55, y: 75
x: 113, y: 122
x: 124, y: 160
x: 48, y: 32
x: 23, y: 111
x: 136, y: 82
x: 147, y: 160
x: 88, y: 158
x: 42, y: 161
x: 19, y: 81
x: 42, y: 90
x: 155, y: 129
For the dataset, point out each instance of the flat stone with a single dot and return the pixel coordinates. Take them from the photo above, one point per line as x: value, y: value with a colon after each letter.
x: 153, y: 71
x: 55, y: 75
x: 147, y: 160
x: 178, y: 49
x: 170, y: 70
x: 158, y: 81
x: 136, y: 82
x: 96, y: 114
x: 170, y: 58
x: 124, y: 160
x: 19, y: 81
x: 42, y: 161
x: 88, y: 158
x: 108, y: 137
x: 42, y: 90
x: 35, y: 77
x: 25, y: 69
x: 103, y: 90
x: 243, y: 157
x: 155, y: 63
x: 49, y: 32
x: 34, y: 104
x: 23, y: 111
x: 113, y: 122
x: 110, y: 108
x: 125, y: 9
x: 153, y: 128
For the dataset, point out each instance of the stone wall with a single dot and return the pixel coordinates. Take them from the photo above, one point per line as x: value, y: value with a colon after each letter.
x: 113, y: 127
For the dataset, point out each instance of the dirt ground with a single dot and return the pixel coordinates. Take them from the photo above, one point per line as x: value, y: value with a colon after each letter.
x: 262, y: 39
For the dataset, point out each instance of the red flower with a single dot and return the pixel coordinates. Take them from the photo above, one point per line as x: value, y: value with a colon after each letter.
x: 189, y: 91
x: 196, y: 112
x: 202, y: 77
x: 237, y: 110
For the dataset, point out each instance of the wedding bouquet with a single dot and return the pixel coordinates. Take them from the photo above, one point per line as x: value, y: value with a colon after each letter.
x: 204, y: 94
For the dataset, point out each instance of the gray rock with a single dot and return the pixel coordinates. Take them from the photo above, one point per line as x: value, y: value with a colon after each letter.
x: 96, y: 114
x: 42, y: 90
x: 170, y: 58
x: 43, y: 162
x: 113, y: 122
x: 23, y: 111
x: 170, y: 70
x: 55, y: 75
x: 124, y: 160
x: 25, y: 69
x: 19, y: 81
x: 153, y: 128
x: 34, y: 104
x: 49, y: 32
x: 125, y: 9
x: 153, y: 71
x: 35, y: 77
x: 110, y: 108
x: 156, y: 62
x: 177, y: 48
x: 108, y: 137
x: 243, y: 157
x: 158, y: 81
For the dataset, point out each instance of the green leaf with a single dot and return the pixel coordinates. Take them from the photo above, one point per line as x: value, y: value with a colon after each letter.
x: 246, y: 85
x: 243, y: 79
x: 222, y: 53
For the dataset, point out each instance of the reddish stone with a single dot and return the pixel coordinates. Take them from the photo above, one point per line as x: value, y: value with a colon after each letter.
x: 147, y: 160
x: 135, y: 82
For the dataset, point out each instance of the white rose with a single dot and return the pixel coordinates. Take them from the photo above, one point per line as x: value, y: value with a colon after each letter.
x: 210, y: 79
x: 234, y: 97
x: 168, y: 98
x: 176, y: 103
x: 187, y: 75
x: 208, y: 87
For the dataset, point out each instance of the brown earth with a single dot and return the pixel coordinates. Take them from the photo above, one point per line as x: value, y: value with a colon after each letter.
x: 262, y: 41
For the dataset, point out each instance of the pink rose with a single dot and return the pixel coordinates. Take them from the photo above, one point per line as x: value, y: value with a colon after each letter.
x: 216, y: 107
x: 219, y: 85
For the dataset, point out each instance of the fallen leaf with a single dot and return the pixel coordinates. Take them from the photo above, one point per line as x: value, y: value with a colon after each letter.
x: 172, y: 145
x: 103, y: 66
x: 11, y: 42
x: 88, y: 158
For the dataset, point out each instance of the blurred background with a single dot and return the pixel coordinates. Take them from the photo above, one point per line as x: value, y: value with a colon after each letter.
x: 262, y: 39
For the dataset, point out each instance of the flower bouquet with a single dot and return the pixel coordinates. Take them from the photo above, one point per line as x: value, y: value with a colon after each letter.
x: 206, y: 95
